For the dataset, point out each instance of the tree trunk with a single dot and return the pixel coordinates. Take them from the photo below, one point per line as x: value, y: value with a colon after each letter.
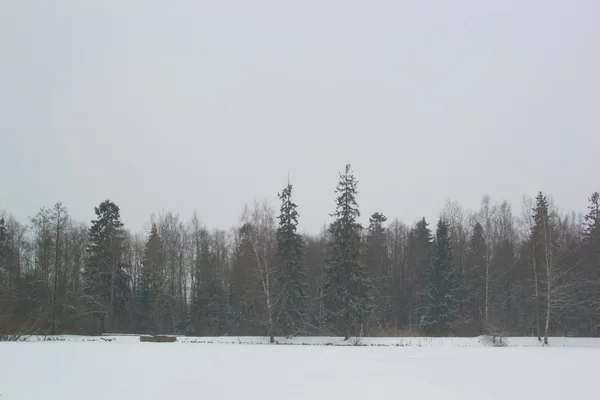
x: 270, y: 312
x: 537, y: 293
x: 55, y: 284
x: 264, y: 273
x: 321, y: 305
x: 487, y: 293
x: 537, y: 301
x: 548, y: 302
x: 401, y: 292
x: 111, y: 310
x: 549, y: 276
x: 64, y: 284
x: 347, y: 328
x: 488, y: 263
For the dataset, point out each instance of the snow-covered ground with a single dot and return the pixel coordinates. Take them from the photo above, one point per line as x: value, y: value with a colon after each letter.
x: 121, y: 367
x: 482, y: 341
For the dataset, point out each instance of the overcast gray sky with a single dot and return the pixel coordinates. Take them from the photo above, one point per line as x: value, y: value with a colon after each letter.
x: 205, y: 105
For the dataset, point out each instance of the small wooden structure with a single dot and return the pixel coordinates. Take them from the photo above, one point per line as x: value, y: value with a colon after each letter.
x: 158, y: 339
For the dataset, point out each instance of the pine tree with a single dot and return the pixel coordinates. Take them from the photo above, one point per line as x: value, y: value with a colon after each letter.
x: 441, y: 306
x: 291, y: 298
x: 106, y: 276
x: 347, y: 287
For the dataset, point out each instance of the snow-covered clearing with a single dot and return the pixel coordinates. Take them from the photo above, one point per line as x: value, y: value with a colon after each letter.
x: 413, y: 368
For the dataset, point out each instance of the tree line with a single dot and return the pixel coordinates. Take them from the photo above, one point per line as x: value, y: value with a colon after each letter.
x: 492, y: 271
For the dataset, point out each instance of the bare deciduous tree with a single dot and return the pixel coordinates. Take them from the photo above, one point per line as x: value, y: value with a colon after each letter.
x: 260, y: 221
x: 397, y: 242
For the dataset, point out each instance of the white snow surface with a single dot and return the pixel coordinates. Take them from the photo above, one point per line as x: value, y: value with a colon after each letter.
x: 121, y: 367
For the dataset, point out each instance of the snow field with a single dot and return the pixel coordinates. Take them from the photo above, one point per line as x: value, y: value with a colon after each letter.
x: 124, y: 368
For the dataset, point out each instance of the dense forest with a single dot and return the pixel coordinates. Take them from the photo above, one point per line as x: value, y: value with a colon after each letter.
x: 496, y: 271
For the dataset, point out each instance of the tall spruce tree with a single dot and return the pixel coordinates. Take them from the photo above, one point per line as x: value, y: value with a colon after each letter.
x: 148, y: 289
x: 347, y: 288
x: 218, y: 307
x: 292, y: 298
x: 106, y: 276
x: 377, y: 259
x: 541, y: 225
x: 441, y: 306
x: 418, y: 258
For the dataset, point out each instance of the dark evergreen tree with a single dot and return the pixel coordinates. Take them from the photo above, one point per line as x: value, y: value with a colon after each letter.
x: 3, y: 250
x: 589, y: 277
x: 315, y: 254
x: 8, y: 278
x: 218, y: 308
x: 6, y: 312
x: 243, y: 285
x: 418, y: 258
x: 5, y: 257
x: 377, y: 260
x: 147, y: 295
x: 592, y: 226
x: 108, y: 288
x: 475, y: 279
x: 502, y: 290
x: 440, y: 295
x: 291, y: 296
x: 347, y: 289
x: 11, y: 293
x: 202, y: 290
x: 538, y: 240
x: 541, y: 219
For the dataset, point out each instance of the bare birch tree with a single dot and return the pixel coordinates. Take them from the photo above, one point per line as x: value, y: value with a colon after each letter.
x: 260, y: 221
